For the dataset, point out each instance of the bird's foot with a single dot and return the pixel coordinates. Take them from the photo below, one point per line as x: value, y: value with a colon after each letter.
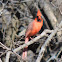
x: 31, y: 38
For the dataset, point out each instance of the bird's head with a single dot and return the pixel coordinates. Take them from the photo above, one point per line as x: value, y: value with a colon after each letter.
x: 39, y: 16
x: 39, y: 13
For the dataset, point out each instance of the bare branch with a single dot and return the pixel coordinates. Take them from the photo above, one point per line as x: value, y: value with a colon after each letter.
x: 55, y: 55
x: 32, y: 41
x: 8, y: 56
x: 4, y: 46
x: 0, y: 60
x: 43, y: 48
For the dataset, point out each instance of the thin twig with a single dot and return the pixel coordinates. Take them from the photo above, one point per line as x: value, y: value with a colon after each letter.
x: 27, y: 1
x: 8, y: 49
x: 55, y: 55
x: 3, y: 53
x: 5, y: 46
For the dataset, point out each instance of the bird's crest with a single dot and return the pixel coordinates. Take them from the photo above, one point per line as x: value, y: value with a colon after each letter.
x: 39, y: 13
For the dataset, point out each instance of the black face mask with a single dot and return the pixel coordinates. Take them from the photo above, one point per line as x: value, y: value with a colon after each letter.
x: 39, y: 20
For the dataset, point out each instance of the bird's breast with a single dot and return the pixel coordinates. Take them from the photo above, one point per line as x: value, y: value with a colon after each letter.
x: 36, y: 27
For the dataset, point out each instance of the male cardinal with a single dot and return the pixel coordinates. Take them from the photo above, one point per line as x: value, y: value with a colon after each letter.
x: 32, y: 29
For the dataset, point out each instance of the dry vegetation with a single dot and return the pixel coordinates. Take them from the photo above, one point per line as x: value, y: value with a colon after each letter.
x: 15, y: 15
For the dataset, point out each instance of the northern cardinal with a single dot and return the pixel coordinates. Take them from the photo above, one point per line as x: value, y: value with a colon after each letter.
x: 32, y: 29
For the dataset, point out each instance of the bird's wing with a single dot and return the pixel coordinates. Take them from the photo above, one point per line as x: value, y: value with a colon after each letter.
x: 29, y: 29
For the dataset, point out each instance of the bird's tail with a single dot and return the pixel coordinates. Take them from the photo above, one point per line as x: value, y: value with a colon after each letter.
x: 24, y: 54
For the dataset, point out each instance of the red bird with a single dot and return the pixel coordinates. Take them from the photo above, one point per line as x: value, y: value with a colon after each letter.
x: 32, y: 29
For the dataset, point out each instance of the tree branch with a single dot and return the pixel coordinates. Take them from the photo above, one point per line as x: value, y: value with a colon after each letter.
x: 32, y: 41
x: 43, y: 48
